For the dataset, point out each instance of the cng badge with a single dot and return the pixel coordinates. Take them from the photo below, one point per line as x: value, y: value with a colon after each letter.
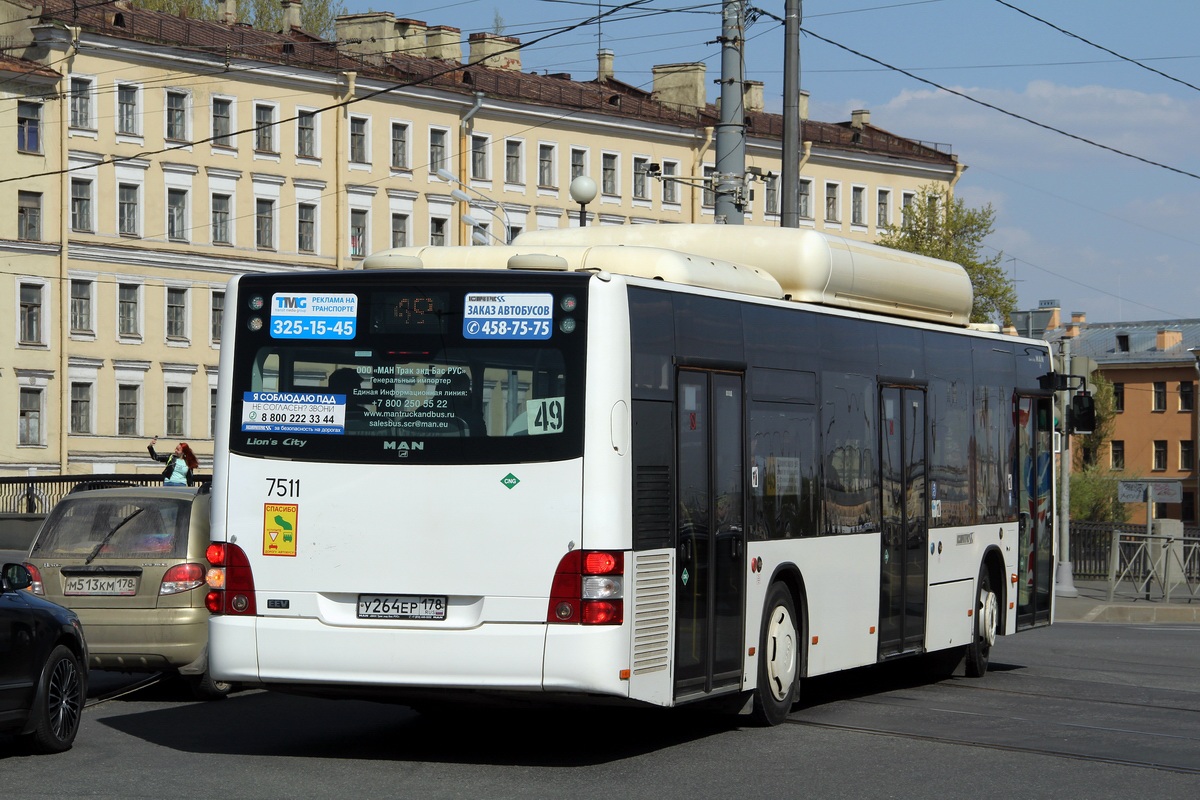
x: 510, y: 480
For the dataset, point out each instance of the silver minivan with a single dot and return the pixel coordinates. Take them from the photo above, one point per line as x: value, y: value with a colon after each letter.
x: 130, y: 562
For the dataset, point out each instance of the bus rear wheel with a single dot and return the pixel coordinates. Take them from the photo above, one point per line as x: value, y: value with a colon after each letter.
x: 987, y: 622
x: 778, y: 658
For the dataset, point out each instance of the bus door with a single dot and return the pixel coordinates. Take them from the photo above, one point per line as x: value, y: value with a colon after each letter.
x: 905, y: 533
x: 1035, y: 572
x: 710, y: 546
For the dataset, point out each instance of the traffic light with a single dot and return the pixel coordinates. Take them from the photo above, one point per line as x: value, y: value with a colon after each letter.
x: 1081, y: 416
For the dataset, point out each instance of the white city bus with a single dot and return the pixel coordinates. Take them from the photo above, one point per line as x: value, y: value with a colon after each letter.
x: 652, y: 464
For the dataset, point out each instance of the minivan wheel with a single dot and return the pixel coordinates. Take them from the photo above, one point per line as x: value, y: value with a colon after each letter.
x: 205, y: 687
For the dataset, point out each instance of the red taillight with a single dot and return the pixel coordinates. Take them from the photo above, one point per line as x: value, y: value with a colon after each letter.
x: 35, y: 575
x: 588, y: 588
x: 182, y: 578
x: 230, y: 581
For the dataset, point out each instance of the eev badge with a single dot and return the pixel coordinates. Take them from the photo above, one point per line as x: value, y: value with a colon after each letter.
x: 279, y: 529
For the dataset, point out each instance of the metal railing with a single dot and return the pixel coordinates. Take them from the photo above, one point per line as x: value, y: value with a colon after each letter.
x: 38, y: 494
x: 1162, y: 565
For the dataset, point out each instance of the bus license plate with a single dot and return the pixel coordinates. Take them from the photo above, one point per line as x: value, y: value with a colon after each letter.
x: 100, y: 585
x: 401, y: 606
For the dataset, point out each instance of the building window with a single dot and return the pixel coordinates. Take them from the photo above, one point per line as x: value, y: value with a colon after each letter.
x: 264, y: 128
x: 222, y: 121
x: 31, y: 313
x: 670, y: 187
x: 81, y: 103
x: 264, y: 224
x: 127, y: 309
x: 306, y: 134
x: 127, y: 109
x: 176, y: 410
x: 127, y: 410
x: 709, y: 196
x: 216, y: 315
x: 804, y: 206
x: 437, y: 150
x: 883, y: 209
x: 177, y: 229
x: 81, y: 205
x: 906, y: 201
x: 833, y: 202
x: 81, y: 307
x: 641, y: 179
x: 771, y: 184
x: 1118, y: 397
x: 176, y: 116
x: 1187, y: 396
x: 399, y: 230
x: 176, y: 313
x: 479, y: 158
x: 29, y: 216
x: 1160, y: 396
x: 81, y: 408
x: 437, y: 231
x: 609, y: 179
x: 358, y: 233
x: 546, y: 165
x: 399, y: 145
x: 1122, y: 342
x: 1117, y: 458
x: 222, y: 212
x: 358, y: 140
x: 29, y: 127
x: 212, y: 413
x: 514, y: 170
x: 306, y: 228
x: 29, y: 425
x: 858, y: 202
x: 1187, y: 455
x: 127, y: 209
x: 578, y: 163
x: 1160, y: 454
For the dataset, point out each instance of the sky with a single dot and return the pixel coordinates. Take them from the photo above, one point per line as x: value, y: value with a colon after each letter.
x: 1078, y: 120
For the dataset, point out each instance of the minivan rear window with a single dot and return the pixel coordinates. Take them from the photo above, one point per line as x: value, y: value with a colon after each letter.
x: 93, y: 528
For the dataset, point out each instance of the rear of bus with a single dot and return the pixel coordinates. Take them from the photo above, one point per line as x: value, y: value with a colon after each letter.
x: 397, y: 498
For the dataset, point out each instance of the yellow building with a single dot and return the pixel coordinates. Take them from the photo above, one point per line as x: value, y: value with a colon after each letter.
x: 160, y: 155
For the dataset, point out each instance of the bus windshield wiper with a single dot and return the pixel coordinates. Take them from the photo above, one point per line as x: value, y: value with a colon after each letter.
x: 108, y: 536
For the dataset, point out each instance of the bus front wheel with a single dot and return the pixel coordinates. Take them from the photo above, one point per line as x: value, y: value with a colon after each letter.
x: 987, y: 621
x: 778, y: 658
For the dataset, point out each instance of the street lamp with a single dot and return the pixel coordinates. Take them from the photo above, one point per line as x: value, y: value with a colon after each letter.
x: 1195, y: 351
x: 583, y: 191
x: 477, y: 225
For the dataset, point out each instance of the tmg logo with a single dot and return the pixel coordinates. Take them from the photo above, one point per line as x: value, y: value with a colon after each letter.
x: 287, y: 302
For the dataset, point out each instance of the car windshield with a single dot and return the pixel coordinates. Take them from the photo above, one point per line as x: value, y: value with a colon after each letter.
x: 109, y: 528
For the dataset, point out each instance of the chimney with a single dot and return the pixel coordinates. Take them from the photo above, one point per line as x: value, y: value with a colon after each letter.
x: 1168, y: 338
x: 291, y: 15
x: 752, y: 96
x: 604, y: 69
x: 1050, y: 310
x: 377, y: 35
x: 229, y: 12
x: 802, y: 105
x: 860, y: 118
x: 680, y: 86
x: 1072, y: 328
x: 496, y: 52
x: 443, y: 42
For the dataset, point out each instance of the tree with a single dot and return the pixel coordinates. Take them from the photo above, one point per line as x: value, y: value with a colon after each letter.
x: 316, y: 16
x: 1094, y: 487
x: 938, y: 225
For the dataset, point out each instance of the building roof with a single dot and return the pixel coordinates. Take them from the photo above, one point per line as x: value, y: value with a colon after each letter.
x: 609, y: 97
x: 21, y: 66
x: 1134, y: 343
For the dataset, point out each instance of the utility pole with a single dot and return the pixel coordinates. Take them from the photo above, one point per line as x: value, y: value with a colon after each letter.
x: 1064, y: 580
x: 792, y: 126
x: 731, y: 130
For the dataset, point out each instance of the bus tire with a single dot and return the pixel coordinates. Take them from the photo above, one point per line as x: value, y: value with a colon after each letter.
x: 205, y: 687
x: 778, y: 658
x: 987, y: 621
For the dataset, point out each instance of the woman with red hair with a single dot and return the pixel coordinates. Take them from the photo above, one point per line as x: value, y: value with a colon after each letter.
x: 180, y: 464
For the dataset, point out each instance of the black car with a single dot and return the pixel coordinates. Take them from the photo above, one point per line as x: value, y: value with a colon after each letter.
x: 42, y: 652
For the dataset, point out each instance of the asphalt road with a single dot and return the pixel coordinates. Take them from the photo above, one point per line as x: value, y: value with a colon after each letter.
x: 1077, y: 710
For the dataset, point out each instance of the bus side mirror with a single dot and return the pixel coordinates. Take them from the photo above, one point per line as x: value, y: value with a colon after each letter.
x: 1081, y: 418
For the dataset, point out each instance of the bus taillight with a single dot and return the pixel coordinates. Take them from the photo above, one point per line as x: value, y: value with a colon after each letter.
x: 230, y: 581
x: 588, y: 589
